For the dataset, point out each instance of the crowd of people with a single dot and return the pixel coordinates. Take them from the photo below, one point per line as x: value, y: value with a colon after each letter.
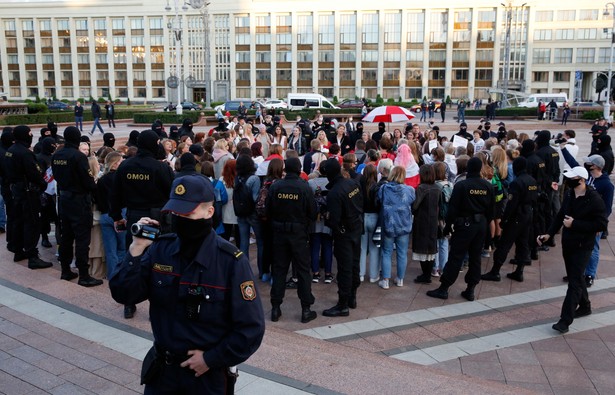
x: 306, y: 191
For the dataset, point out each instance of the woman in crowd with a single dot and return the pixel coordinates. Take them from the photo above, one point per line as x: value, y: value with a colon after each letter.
x: 395, y: 199
x: 84, y: 147
x: 221, y: 197
x: 321, y: 238
x: 96, y: 254
x: 257, y: 153
x: 221, y: 155
x: 406, y: 160
x: 342, y: 139
x: 324, y: 141
x: 265, y: 139
x: 297, y: 142
x: 425, y: 228
x: 446, y: 189
x: 229, y: 219
x: 397, y: 135
x: 247, y: 133
x: 349, y: 163
x: 169, y: 149
x: 275, y: 172
x: 368, y: 182
x: 386, y: 148
x: 279, y: 137
x: 500, y: 184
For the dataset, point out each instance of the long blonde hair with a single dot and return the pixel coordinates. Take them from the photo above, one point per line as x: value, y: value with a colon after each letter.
x: 94, y: 166
x: 500, y: 164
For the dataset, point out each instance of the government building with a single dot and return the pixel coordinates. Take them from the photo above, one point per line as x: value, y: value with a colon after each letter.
x: 126, y: 49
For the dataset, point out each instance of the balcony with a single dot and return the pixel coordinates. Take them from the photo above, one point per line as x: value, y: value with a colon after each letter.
x: 347, y: 82
x: 156, y: 84
x: 462, y: 83
x: 390, y: 83
x: 102, y: 66
x: 139, y: 83
x: 347, y: 65
x: 29, y: 50
x: 14, y: 83
x: 13, y: 66
x: 304, y: 65
x: 138, y: 66
x: 283, y: 65
x: 391, y: 65
x: 263, y: 83
x: 437, y: 64
x: 325, y: 82
x: 30, y: 67
x: 49, y: 83
x: 369, y: 82
x: 325, y: 65
x: 64, y: 49
x: 305, y: 47
x: 68, y: 83
x: 484, y: 64
x: 157, y: 66
x: 436, y: 83
x: 304, y: 83
x: 413, y: 83
x: 83, y: 49
x: 83, y: 83
x: 263, y: 65
x: 47, y: 50
x: 242, y: 66
x: 479, y: 83
x: 11, y: 50
x: 47, y: 67
x: 283, y: 83
x: 242, y: 82
x: 461, y: 64
x: 369, y: 65
x: 102, y: 82
x: 484, y: 44
x: 83, y: 66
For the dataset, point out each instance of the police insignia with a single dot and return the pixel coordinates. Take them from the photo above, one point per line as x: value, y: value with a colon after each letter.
x: 247, y: 290
x: 180, y: 190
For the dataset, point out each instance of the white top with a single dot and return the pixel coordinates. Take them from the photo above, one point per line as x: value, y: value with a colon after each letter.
x: 228, y: 211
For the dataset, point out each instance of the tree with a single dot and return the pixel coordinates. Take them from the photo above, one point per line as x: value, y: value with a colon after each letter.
x: 379, y: 99
x: 602, y: 83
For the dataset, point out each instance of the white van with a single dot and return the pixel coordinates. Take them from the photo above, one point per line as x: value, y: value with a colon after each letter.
x: 532, y: 100
x: 300, y: 101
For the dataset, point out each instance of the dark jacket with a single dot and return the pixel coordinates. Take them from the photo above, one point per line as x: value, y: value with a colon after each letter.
x: 95, y: 110
x: 425, y: 227
x: 345, y: 204
x: 522, y: 198
x: 21, y: 167
x: 291, y: 201
x: 78, y: 111
x: 471, y: 196
x: 589, y: 216
x: 71, y: 170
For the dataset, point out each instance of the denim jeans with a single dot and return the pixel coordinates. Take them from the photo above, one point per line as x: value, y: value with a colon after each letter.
x: 321, y: 243
x: 244, y: 224
x: 79, y: 123
x: 442, y: 255
x: 401, y: 246
x: 97, y: 124
x: 367, y: 246
x: 2, y: 213
x: 592, y: 266
x: 114, y: 243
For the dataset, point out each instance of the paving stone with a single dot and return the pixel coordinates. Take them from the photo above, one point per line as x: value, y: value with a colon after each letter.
x: 485, y: 370
x: 548, y: 358
x: 70, y: 389
x: 54, y: 365
x: 524, y: 373
x: 15, y: 366
x: 42, y: 379
x: 117, y: 375
x: 13, y: 385
x: 518, y: 356
x: 560, y: 376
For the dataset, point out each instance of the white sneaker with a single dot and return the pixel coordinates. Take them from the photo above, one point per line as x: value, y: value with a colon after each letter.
x: 374, y: 280
x: 434, y: 273
x: 362, y: 278
x: 399, y: 282
x: 384, y: 284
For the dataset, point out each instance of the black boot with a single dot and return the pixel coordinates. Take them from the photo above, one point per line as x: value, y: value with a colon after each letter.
x: 441, y: 292
x: 491, y: 276
x: 37, y: 263
x: 45, y: 241
x: 352, y: 300
x: 517, y: 275
x: 85, y: 280
x: 425, y: 277
x: 307, y: 315
x: 338, y: 310
x: 276, y: 313
x: 129, y: 311
x: 469, y: 293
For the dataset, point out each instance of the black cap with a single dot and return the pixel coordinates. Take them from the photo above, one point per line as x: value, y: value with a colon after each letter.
x: 197, y: 149
x: 293, y: 165
x: 187, y: 193
x: 148, y: 140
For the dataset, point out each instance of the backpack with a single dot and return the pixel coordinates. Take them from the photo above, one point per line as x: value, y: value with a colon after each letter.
x: 322, y: 210
x: 446, y: 192
x: 242, y: 198
x: 217, y: 218
x: 498, y: 188
x: 261, y: 210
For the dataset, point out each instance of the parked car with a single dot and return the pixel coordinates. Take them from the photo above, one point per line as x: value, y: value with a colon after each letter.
x: 351, y: 104
x: 188, y: 105
x: 275, y: 104
x: 58, y: 106
x: 417, y: 107
x: 233, y: 105
x: 584, y: 104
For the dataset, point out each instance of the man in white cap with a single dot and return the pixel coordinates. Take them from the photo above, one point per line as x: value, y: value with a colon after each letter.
x: 583, y: 215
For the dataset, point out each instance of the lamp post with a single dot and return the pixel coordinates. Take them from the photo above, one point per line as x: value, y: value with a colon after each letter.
x: 202, y: 6
x: 509, y: 11
x: 178, y: 57
x: 607, y: 104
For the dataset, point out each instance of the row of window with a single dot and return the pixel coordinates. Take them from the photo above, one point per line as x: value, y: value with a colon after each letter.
x: 157, y: 93
x: 564, y: 55
x: 100, y: 41
x: 83, y: 24
x: 558, y: 76
x: 138, y: 56
x: 568, y: 34
x: 369, y: 75
x: 567, y: 15
x: 85, y: 75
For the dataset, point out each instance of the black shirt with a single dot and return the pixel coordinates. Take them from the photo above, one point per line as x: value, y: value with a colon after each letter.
x: 21, y: 166
x: 291, y: 200
x: 471, y: 196
x: 71, y: 170
x: 345, y: 204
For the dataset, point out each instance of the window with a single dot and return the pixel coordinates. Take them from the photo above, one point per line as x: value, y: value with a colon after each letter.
x: 327, y: 29
x: 137, y: 41
x: 325, y: 56
x: 370, y: 28
x: 348, y: 56
x: 14, y: 76
x: 565, y: 15
x: 243, y: 75
x: 136, y: 23
x: 484, y: 74
x: 65, y: 59
x: 101, y: 58
x: 603, y: 55
x: 13, y: 59
x: 461, y: 56
x: 586, y: 34
x: 461, y: 35
x: 104, y: 75
x: 155, y: 23
x: 586, y: 55
x: 67, y: 75
x: 44, y: 24
x: 9, y: 26
x: 121, y: 75
x: 414, y: 74
x: 242, y: 21
x: 283, y: 75
x: 542, y: 34
x: 100, y: 24
x: 28, y: 42
x: 438, y: 74
x: 242, y: 57
x: 63, y: 24
x: 81, y: 24
x: 390, y: 74
x: 47, y: 59
x: 544, y: 16
x: 414, y: 93
x: 263, y: 75
x: 304, y: 75
x: 370, y: 75
x: 304, y: 56
x: 67, y: 92
x: 588, y: 15
x: 392, y: 28
x: 540, y: 76
x: 30, y: 59
x: 461, y: 75
x: 84, y: 75
x: 283, y: 38
x: 242, y: 39
x: 139, y: 92
x: 347, y: 75
x: 139, y: 75
x: 156, y: 40
x: 304, y: 29
x: 369, y: 56
x: 46, y: 42
x: 564, y: 34
x: 542, y: 55
x: 119, y: 58
x: 414, y: 55
x: 348, y: 29
x: 11, y: 42
x: 561, y: 76
x: 392, y: 55
x: 486, y: 35
x: 119, y: 41
x: 284, y: 56
x: 416, y: 27
x: 439, y: 27
x: 117, y: 23
x: 563, y: 55
x: 263, y: 57
x: 325, y: 75
x: 437, y: 56
x: 484, y: 55
x: 27, y: 25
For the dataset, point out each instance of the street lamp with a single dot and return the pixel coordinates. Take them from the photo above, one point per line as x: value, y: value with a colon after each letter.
x: 202, y: 6
x: 509, y: 9
x: 607, y: 105
x: 178, y: 37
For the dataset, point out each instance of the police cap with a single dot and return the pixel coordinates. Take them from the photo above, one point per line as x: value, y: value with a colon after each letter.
x: 187, y: 193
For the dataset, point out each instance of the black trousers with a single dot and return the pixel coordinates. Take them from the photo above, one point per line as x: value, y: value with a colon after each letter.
x: 443, y: 115
x: 111, y: 120
x: 48, y: 214
x: 575, y: 260
x: 177, y: 380
x: 10, y: 218
x: 347, y: 252
x: 27, y: 221
x: 514, y: 233
x: 468, y: 237
x: 291, y: 245
x: 76, y: 217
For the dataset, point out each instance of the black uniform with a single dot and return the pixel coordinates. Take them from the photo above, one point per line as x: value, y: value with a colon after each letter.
x: 470, y: 209
x: 75, y: 188
x: 345, y: 205
x: 290, y: 208
x: 537, y: 168
x: 48, y: 202
x: 517, y: 219
x: 551, y: 159
x: 26, y: 183
x: 142, y: 185
x: 6, y: 141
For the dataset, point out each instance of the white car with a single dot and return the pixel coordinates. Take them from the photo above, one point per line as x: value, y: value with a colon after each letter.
x: 275, y: 104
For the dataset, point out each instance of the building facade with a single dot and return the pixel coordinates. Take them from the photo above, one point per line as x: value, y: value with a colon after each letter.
x: 259, y: 49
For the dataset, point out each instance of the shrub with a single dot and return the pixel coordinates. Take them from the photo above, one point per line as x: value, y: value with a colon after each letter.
x: 379, y: 99
x: 335, y: 100
x: 166, y: 117
x: 63, y: 117
x: 593, y: 114
x: 35, y: 108
x: 390, y: 100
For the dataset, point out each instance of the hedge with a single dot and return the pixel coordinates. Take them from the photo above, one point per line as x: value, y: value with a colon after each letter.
x: 593, y: 114
x: 503, y: 112
x: 60, y: 117
x: 166, y: 117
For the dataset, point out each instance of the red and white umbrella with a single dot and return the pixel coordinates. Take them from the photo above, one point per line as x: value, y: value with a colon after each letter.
x: 388, y: 114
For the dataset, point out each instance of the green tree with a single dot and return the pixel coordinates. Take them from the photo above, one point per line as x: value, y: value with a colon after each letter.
x: 379, y: 99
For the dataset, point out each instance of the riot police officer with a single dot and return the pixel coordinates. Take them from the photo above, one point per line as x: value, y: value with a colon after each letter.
x: 290, y: 208
x: 345, y: 205
x: 26, y: 183
x: 537, y: 168
x: 516, y: 220
x: 551, y: 159
x: 205, y: 311
x: 470, y: 209
x: 6, y: 140
x: 75, y: 187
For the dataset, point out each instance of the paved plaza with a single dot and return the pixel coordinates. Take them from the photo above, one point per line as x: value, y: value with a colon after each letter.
x: 59, y: 338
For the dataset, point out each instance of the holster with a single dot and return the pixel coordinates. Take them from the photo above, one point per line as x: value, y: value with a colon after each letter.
x: 152, y: 366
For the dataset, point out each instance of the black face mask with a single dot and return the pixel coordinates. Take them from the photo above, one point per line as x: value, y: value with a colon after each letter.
x: 573, y: 182
x: 191, y: 233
